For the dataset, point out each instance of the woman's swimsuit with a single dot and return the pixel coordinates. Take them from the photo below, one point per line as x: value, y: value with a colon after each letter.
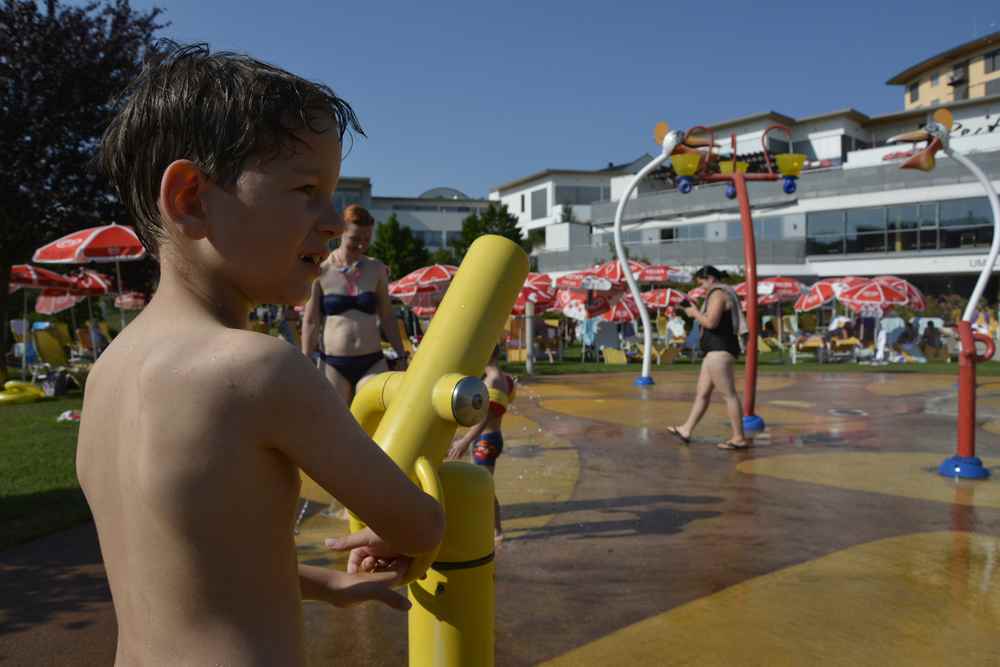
x: 338, y: 304
x: 723, y: 337
x: 351, y: 368
x: 490, y: 445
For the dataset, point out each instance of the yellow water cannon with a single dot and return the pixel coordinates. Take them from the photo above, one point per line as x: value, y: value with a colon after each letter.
x: 413, y: 416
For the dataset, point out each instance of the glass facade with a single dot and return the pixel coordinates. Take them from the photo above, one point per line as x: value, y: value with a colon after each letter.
x: 945, y: 225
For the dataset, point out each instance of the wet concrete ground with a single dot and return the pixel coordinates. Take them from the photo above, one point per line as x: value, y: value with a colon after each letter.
x: 831, y: 541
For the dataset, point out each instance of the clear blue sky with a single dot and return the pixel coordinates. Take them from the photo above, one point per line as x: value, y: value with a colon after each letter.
x: 474, y: 94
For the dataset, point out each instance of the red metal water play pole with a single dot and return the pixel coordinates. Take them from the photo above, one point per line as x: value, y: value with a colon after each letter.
x: 739, y: 179
x: 937, y: 133
x: 967, y: 360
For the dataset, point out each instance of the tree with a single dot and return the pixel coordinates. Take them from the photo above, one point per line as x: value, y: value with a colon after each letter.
x: 59, y: 72
x: 398, y: 249
x: 494, y: 220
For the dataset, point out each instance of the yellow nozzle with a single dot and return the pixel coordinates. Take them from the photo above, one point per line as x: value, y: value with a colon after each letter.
x: 726, y: 166
x: 790, y: 164
x: 686, y: 164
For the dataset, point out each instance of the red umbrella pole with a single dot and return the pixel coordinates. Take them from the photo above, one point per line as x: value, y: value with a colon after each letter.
x: 121, y: 290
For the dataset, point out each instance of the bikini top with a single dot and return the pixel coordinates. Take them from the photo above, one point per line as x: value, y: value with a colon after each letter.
x: 337, y: 304
x: 499, y: 399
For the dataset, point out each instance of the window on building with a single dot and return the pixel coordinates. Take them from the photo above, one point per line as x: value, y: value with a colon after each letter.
x: 668, y: 235
x: 914, y: 91
x: 573, y: 195
x: 825, y: 233
x: 777, y: 145
x: 935, y: 78
x: 805, y: 147
x: 691, y: 232
x: 522, y: 203
x: 866, y: 230
x: 903, y: 223
x: 768, y: 229
x: 450, y: 237
x: 991, y: 61
x: 539, y: 204
x: 927, y: 218
x: 993, y: 87
x: 965, y: 212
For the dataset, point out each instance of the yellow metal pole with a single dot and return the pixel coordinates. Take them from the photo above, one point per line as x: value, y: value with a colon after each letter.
x: 460, y: 338
x: 414, y: 417
x: 452, y: 619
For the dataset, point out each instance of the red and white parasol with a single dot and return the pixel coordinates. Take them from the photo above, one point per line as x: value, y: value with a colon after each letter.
x: 819, y: 294
x: 584, y: 280
x: 623, y: 309
x: 105, y: 244
x: 436, y: 277
x: 108, y: 243
x: 52, y: 301
x: 872, y: 298
x: 663, y: 298
x: 663, y: 273
x: 541, y: 281
x: 613, y: 270
x: 542, y: 298
x: 575, y: 304
x: 92, y: 283
x: 914, y: 297
x: 35, y: 277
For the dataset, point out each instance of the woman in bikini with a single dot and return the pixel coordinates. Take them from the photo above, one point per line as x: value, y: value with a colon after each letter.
x: 348, y: 305
x: 719, y: 319
x: 486, y: 434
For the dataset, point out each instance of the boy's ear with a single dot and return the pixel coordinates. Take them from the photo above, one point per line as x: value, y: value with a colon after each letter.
x: 181, y: 198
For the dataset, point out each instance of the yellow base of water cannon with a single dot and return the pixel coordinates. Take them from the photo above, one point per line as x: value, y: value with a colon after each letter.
x: 454, y: 606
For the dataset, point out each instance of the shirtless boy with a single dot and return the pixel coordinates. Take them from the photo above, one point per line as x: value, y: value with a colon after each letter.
x: 194, y: 428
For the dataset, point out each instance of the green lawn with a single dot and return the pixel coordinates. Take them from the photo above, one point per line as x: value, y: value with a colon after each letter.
x: 39, y: 493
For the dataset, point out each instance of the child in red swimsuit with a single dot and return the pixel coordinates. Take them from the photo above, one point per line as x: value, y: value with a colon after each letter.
x: 486, y: 434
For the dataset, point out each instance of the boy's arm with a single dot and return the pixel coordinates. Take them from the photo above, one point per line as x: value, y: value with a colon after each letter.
x: 303, y: 417
x: 344, y: 590
x: 311, y: 320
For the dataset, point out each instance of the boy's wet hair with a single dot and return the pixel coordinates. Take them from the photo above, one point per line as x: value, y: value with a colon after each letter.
x: 217, y: 110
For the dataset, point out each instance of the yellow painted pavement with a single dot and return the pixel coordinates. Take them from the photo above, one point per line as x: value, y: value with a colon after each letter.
x: 890, y: 473
x: 536, y: 467
x: 920, y: 599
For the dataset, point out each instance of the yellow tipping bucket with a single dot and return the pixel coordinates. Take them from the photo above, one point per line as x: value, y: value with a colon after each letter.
x: 726, y: 166
x: 790, y: 164
x: 686, y: 164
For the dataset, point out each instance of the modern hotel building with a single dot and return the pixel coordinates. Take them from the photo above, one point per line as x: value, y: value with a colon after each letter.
x: 855, y: 211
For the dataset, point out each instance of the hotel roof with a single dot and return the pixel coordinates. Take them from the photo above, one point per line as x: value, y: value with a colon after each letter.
x: 943, y: 58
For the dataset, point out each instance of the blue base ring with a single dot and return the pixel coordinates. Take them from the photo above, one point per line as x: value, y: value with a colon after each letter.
x: 966, y: 467
x: 752, y: 424
x: 643, y: 380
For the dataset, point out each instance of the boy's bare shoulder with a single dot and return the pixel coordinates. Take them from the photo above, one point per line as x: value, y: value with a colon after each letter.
x: 227, y: 369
